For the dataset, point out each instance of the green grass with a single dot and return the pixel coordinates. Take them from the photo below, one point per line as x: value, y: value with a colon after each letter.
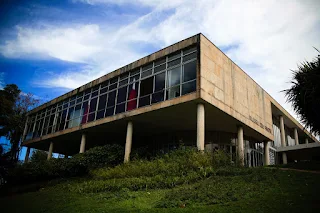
x: 181, y: 181
x: 252, y: 190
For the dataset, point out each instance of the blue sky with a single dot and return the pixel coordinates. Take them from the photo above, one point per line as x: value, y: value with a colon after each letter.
x: 51, y: 47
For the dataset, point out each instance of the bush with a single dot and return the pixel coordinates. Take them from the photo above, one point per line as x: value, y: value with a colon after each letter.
x: 38, y: 156
x: 40, y: 170
x: 101, y: 156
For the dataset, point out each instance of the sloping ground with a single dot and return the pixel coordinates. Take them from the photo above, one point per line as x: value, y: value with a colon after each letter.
x: 224, y: 190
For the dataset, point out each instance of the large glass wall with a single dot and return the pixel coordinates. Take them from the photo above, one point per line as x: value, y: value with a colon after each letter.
x: 160, y: 80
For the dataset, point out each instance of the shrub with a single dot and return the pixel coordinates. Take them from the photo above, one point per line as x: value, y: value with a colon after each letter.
x: 40, y: 170
x: 38, y: 156
x: 101, y: 156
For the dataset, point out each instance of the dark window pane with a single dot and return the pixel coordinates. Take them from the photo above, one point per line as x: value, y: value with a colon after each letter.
x: 157, y: 97
x: 114, y: 80
x: 160, y: 68
x: 160, y: 81
x: 85, y: 111
x: 174, y: 56
x: 102, y: 102
x: 63, y: 118
x: 144, y: 101
x: 146, y: 86
x: 122, y: 94
x: 70, y: 113
x: 112, y: 86
x: 190, y: 71
x: 72, y: 103
x: 124, y: 75
x: 88, y: 91
x: 95, y: 91
x: 111, y: 98
x: 190, y: 56
x: 173, y: 63
x: 189, y: 50
x: 110, y: 111
x: 79, y: 100
x: 146, y: 73
x: 189, y: 87
x: 86, y: 97
x: 120, y: 108
x: 104, y: 84
x: 159, y: 61
x: 93, y: 105
x: 91, y: 116
x: 147, y: 67
x: 174, y: 77
x: 173, y: 92
x: 123, y: 82
x: 104, y: 90
x: 100, y: 114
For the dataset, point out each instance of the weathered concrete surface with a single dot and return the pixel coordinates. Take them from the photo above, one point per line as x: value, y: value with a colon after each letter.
x: 227, y: 87
x: 83, y: 143
x: 50, y: 151
x: 200, y: 126
x: 266, y: 153
x: 128, y: 142
x: 240, y: 146
x: 298, y: 147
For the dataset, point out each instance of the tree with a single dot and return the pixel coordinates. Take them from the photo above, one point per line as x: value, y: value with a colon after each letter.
x: 13, y: 109
x: 38, y: 156
x: 304, y: 93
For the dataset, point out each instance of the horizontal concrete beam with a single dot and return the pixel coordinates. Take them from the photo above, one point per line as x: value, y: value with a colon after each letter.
x: 298, y: 147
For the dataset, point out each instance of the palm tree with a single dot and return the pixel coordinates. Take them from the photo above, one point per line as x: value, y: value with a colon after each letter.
x: 304, y: 93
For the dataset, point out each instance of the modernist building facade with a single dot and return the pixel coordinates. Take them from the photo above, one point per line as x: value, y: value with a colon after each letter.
x: 189, y: 92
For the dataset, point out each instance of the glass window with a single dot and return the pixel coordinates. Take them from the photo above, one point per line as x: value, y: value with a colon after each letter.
x: 93, y: 105
x: 160, y: 68
x: 189, y: 87
x: 146, y: 73
x: 111, y: 99
x: 149, y: 66
x: 190, y: 56
x: 174, y: 56
x: 85, y: 111
x: 189, y: 50
x: 160, y: 81
x: 190, y: 71
x: 160, y: 61
x: 173, y: 92
x: 173, y: 77
x: 174, y: 63
x: 102, y: 102
x: 146, y: 88
x: 95, y: 91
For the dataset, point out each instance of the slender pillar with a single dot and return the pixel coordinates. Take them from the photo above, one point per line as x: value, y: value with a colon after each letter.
x: 307, y: 141
x: 26, y: 159
x: 283, y: 140
x: 128, y: 142
x: 266, y: 153
x: 240, y: 146
x: 200, y: 127
x: 296, y: 137
x: 50, y: 151
x: 83, y: 143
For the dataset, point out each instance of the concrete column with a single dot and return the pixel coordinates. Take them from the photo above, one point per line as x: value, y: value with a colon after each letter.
x: 283, y: 140
x: 26, y: 159
x: 128, y: 142
x: 50, y: 151
x: 296, y: 137
x: 307, y: 141
x: 83, y: 143
x: 240, y: 146
x: 200, y: 127
x: 266, y: 153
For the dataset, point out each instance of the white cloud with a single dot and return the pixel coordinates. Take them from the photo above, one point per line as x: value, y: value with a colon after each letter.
x: 266, y: 38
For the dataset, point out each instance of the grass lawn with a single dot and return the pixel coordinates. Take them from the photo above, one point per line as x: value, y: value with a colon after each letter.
x: 262, y: 190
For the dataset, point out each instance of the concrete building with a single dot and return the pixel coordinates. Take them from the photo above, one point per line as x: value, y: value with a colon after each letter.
x: 189, y: 92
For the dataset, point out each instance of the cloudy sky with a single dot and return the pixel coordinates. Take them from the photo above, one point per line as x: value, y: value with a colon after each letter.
x: 49, y: 48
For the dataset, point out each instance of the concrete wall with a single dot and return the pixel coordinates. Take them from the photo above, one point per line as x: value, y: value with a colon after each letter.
x: 226, y: 86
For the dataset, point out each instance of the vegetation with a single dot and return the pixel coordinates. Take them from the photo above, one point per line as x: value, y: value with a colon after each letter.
x: 38, y: 156
x: 39, y: 169
x: 13, y: 109
x: 304, y: 93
